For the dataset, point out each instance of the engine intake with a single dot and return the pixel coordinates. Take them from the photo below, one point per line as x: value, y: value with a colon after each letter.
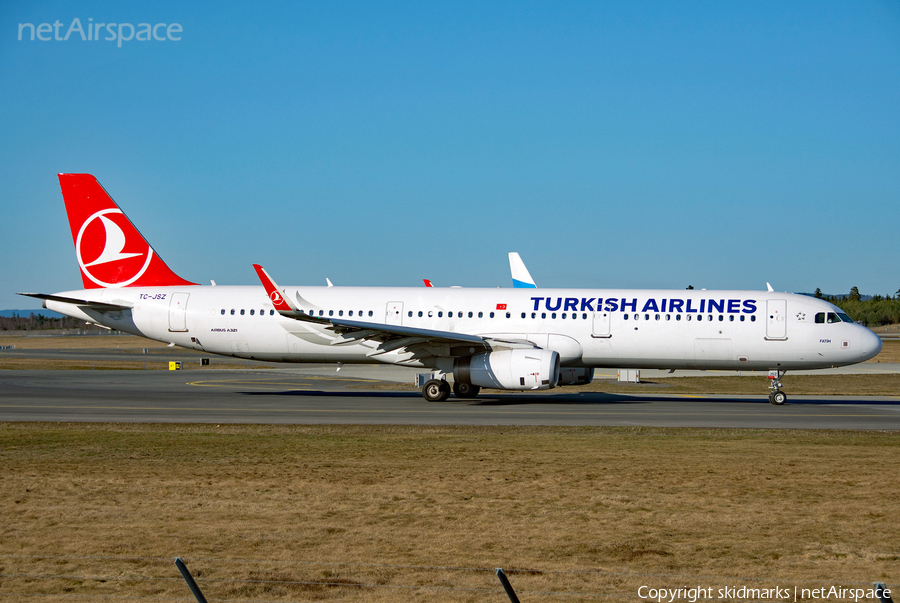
x: 509, y: 369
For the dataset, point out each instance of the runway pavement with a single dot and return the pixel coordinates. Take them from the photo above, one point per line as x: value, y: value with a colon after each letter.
x: 298, y: 396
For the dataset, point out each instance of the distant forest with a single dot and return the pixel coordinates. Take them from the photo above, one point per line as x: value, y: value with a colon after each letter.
x: 39, y: 322
x: 869, y: 310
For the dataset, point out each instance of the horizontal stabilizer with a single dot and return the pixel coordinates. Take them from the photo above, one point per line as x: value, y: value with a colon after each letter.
x: 94, y: 305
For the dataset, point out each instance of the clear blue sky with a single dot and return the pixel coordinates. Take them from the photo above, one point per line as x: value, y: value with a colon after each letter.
x: 626, y: 144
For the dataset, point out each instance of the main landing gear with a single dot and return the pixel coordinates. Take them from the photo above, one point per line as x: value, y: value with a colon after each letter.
x: 438, y: 390
x: 465, y: 390
x: 776, y: 396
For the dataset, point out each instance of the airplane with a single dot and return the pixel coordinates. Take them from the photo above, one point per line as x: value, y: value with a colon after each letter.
x: 515, y: 339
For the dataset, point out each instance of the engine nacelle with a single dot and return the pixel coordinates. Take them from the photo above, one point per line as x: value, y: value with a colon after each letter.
x: 509, y: 369
x: 575, y: 376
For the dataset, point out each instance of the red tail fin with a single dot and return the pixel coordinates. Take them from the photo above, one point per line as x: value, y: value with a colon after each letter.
x: 110, y: 250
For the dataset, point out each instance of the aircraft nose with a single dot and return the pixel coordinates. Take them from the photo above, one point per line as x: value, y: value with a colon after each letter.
x: 870, y: 344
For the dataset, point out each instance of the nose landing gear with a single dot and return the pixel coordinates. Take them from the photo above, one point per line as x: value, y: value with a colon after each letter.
x: 776, y: 396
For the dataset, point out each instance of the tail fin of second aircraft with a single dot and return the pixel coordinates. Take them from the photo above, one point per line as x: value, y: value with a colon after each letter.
x: 520, y: 276
x: 110, y: 250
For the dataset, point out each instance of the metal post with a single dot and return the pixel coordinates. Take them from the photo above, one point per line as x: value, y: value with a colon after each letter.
x: 882, y: 592
x: 507, y: 586
x: 190, y: 580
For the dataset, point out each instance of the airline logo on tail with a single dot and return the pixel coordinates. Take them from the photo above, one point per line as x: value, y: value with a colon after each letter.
x: 110, y: 250
x: 100, y: 248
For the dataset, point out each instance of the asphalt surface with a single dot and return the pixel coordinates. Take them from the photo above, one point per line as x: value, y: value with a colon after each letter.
x: 292, y: 396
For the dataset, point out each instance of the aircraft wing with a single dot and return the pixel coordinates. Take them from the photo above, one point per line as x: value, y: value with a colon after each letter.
x: 395, y: 336
x: 84, y: 303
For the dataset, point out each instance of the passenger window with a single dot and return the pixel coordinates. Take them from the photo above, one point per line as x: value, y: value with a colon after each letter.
x: 470, y: 315
x: 731, y: 317
x: 262, y: 312
x: 553, y: 315
x: 481, y: 315
x: 420, y: 314
x: 409, y: 314
x: 678, y: 317
x: 709, y: 318
x: 646, y: 317
x: 331, y: 313
x: 491, y: 314
x: 625, y: 317
x: 271, y: 312
x: 584, y: 316
x: 370, y: 313
x: 752, y: 318
x: 699, y: 317
x: 563, y: 314
x: 721, y: 318
x: 252, y: 312
x: 508, y: 315
x: 657, y: 317
x: 223, y: 311
x: 534, y: 315
x: 459, y: 314
x: 440, y: 314
x: 668, y: 317
x: 321, y: 312
x: 242, y: 311
x: 340, y: 312
x: 430, y: 313
x: 350, y: 313
x: 543, y: 315
x: 637, y: 316
x: 523, y: 315
x: 742, y: 317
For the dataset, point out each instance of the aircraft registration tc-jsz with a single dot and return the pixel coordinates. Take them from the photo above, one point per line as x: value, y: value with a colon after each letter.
x: 509, y: 339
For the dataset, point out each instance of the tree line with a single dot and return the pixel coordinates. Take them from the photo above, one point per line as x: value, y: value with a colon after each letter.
x: 39, y: 322
x: 869, y: 310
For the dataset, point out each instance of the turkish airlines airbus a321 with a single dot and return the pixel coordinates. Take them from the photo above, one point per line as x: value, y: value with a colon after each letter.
x: 511, y: 339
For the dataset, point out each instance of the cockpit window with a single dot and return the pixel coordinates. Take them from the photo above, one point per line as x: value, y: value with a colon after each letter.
x: 844, y: 317
x: 820, y: 318
x: 832, y: 317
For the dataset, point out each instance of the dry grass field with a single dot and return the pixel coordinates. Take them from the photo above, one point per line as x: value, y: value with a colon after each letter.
x: 371, y: 514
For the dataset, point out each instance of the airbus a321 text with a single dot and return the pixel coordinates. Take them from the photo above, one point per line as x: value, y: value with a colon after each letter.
x: 509, y: 339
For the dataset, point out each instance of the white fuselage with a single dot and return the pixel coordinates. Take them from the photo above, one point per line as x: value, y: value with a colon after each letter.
x: 668, y: 329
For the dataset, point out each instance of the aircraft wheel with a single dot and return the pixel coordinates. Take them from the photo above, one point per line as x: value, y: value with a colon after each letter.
x: 778, y: 398
x: 436, y: 390
x: 465, y: 390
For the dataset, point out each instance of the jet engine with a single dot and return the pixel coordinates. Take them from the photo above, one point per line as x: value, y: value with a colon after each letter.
x: 575, y: 376
x: 509, y: 369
